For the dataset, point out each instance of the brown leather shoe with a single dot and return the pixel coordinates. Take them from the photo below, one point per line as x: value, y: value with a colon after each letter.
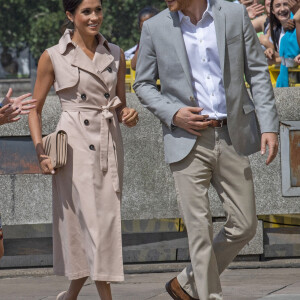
x: 176, y: 291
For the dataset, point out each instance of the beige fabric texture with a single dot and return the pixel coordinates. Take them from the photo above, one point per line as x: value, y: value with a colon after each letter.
x: 87, y: 191
x: 213, y: 160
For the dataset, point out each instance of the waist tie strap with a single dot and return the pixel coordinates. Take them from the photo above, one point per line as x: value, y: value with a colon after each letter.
x: 106, y: 115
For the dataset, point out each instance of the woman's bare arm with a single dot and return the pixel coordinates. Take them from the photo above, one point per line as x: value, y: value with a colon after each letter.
x: 44, y: 81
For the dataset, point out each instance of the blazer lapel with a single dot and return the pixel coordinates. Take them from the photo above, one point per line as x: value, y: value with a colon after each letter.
x: 220, y: 23
x: 178, y: 42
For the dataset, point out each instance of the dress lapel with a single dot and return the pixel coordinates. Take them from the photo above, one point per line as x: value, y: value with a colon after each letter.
x: 220, y: 23
x: 178, y: 42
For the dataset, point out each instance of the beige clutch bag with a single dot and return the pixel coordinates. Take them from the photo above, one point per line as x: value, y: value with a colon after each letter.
x: 55, y: 146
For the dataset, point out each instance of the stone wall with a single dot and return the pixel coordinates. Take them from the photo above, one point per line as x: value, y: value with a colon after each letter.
x: 148, y: 187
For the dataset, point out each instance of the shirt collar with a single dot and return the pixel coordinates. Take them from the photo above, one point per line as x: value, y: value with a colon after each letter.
x: 66, y: 40
x: 208, y: 10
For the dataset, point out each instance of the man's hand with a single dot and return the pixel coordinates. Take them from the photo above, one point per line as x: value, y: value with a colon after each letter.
x: 255, y: 10
x: 270, y: 139
x: 19, y: 103
x: 188, y: 118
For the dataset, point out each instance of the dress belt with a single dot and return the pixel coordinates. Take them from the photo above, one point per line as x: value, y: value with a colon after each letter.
x: 106, y: 115
x: 217, y: 123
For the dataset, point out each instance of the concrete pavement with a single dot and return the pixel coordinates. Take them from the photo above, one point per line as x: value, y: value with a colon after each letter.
x: 238, y: 284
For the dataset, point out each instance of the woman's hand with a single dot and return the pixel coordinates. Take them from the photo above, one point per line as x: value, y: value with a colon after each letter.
x: 297, y: 59
x: 45, y: 164
x: 288, y: 25
x: 269, y: 53
x: 8, y: 114
x: 255, y: 10
x: 129, y: 117
x: 19, y: 103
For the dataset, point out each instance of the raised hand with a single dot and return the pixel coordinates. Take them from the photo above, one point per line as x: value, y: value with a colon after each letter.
x: 19, y: 103
x: 255, y: 10
x: 9, y: 114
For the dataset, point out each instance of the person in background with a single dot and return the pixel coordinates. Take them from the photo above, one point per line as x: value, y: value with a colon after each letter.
x: 145, y: 14
x: 10, y: 111
x: 297, y: 24
x: 280, y: 23
x: 286, y: 49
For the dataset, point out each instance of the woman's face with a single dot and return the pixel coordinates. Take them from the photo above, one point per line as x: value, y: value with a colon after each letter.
x: 143, y: 19
x: 267, y: 6
x: 88, y: 17
x: 281, y: 10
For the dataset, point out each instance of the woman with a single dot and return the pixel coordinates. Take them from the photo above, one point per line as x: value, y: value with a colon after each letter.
x: 88, y: 74
x: 10, y: 111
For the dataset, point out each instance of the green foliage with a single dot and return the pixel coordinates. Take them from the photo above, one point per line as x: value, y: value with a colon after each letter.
x: 36, y: 23
x: 120, y: 24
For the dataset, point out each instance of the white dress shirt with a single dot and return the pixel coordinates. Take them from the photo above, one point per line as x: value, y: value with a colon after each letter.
x: 201, y: 46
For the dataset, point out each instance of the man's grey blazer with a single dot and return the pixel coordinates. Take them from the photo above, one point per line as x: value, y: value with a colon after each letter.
x: 162, y: 55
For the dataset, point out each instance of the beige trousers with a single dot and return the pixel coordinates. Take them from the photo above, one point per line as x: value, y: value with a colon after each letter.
x: 213, y: 160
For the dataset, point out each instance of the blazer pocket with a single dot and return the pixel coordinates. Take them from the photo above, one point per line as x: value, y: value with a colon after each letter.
x: 233, y: 39
x: 248, y: 107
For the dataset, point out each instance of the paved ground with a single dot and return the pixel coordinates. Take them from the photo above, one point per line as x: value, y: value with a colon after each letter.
x: 238, y: 284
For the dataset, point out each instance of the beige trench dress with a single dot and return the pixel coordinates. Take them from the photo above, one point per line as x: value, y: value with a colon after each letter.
x: 87, y: 191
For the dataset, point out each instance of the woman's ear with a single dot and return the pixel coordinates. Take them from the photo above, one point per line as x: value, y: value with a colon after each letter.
x: 70, y: 16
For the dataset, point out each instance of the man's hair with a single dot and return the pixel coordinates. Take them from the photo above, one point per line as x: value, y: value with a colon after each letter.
x: 148, y: 10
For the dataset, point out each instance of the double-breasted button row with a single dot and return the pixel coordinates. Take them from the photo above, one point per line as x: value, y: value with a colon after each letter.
x: 92, y: 147
x: 83, y: 97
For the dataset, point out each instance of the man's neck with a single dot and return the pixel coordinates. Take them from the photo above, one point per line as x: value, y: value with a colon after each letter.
x: 195, y: 10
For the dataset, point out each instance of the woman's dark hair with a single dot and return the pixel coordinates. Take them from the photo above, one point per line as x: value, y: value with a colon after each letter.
x: 275, y: 27
x: 148, y: 10
x: 70, y: 6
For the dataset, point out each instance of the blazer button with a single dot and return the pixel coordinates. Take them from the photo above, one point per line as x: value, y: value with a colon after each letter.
x: 92, y: 147
x: 106, y: 95
x: 109, y: 69
x: 83, y: 97
x: 86, y: 122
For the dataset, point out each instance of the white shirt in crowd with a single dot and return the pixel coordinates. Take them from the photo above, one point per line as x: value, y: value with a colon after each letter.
x: 201, y: 46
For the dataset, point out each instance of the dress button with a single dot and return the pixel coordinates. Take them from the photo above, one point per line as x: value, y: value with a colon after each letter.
x: 92, y: 147
x: 109, y: 120
x: 106, y: 95
x: 109, y: 69
x: 83, y: 97
x: 86, y: 122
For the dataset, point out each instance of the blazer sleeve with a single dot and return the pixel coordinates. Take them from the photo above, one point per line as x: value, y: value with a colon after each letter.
x: 145, y: 81
x: 258, y: 77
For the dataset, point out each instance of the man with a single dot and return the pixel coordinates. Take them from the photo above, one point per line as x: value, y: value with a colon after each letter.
x: 200, y: 51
